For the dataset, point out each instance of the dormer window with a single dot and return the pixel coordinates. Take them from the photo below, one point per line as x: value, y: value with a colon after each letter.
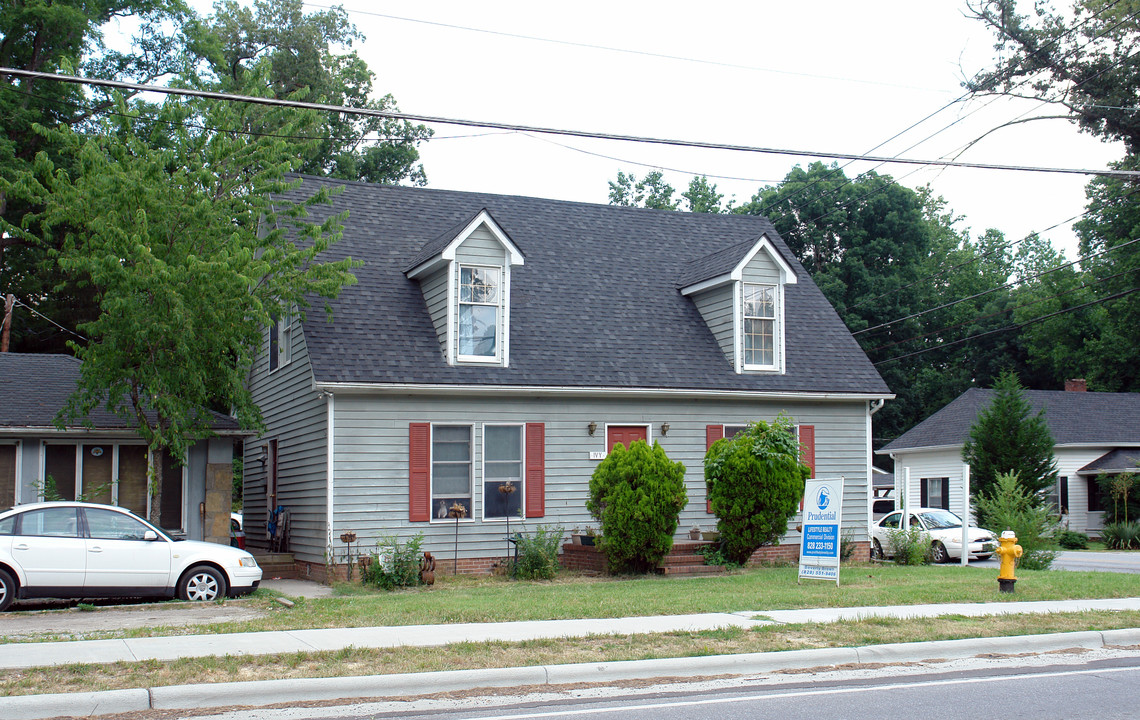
x: 760, y: 327
x: 480, y: 310
x: 739, y: 292
x: 465, y: 276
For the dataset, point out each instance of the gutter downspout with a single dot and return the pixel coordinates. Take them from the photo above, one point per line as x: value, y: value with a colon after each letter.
x: 873, y: 407
x: 330, y: 486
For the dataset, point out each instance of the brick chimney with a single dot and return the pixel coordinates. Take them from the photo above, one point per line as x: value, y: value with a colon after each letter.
x: 1076, y: 385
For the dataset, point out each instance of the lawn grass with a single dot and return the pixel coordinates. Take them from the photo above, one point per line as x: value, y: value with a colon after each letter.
x: 463, y: 656
x: 494, y: 599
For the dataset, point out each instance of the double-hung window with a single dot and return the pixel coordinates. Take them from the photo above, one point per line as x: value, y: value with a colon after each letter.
x: 450, y: 470
x: 760, y: 326
x: 480, y: 312
x: 503, y: 483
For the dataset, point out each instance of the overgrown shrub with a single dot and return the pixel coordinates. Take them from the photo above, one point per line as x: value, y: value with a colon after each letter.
x: 1072, y: 540
x: 1121, y: 535
x: 537, y: 553
x: 395, y: 564
x: 637, y: 495
x: 847, y: 545
x: 910, y: 546
x: 1008, y: 506
x: 755, y: 482
x: 713, y: 555
x: 1124, y: 492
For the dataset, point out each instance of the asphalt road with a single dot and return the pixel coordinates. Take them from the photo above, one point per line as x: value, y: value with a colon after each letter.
x: 1121, y: 562
x: 1106, y: 688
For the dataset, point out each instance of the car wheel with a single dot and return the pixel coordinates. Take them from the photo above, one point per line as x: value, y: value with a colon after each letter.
x: 7, y: 590
x: 938, y: 553
x: 876, y: 550
x: 202, y: 584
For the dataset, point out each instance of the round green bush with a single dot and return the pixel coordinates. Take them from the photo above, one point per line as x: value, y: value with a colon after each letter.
x: 755, y: 482
x: 637, y: 495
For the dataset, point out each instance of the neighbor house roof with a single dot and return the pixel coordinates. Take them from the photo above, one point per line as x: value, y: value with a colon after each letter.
x: 1114, y: 461
x: 35, y: 386
x: 596, y: 303
x: 1074, y: 418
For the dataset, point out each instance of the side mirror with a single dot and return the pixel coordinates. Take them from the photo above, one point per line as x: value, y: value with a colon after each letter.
x: 150, y: 536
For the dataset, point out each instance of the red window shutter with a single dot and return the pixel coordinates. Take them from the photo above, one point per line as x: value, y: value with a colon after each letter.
x: 807, y: 450
x: 807, y: 446
x: 535, y: 470
x: 419, y: 472
x: 712, y: 434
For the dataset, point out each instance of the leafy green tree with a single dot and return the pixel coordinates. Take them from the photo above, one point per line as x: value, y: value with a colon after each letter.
x: 1009, y: 505
x: 291, y: 55
x: 189, y: 258
x: 755, y: 481
x: 637, y: 495
x: 1008, y: 439
x: 63, y: 36
x: 651, y: 192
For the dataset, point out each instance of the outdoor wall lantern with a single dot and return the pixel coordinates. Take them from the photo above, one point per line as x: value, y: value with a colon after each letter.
x: 592, y: 427
x: 664, y: 429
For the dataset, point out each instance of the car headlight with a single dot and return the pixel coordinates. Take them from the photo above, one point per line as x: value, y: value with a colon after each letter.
x: 248, y: 561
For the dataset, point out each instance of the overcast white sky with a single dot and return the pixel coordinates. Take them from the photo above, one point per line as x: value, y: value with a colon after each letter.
x: 824, y: 75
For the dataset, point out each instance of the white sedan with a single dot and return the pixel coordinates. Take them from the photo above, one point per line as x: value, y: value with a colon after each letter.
x: 83, y: 550
x: 942, y: 527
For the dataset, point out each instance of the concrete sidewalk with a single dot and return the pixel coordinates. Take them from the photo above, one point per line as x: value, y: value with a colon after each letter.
x: 27, y: 655
x: 217, y: 695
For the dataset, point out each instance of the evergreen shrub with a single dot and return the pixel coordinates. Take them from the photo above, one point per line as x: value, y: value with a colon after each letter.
x: 755, y: 481
x: 637, y: 495
x: 1009, y: 506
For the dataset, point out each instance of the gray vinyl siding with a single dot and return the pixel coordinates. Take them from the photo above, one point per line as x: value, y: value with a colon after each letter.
x: 371, y: 458
x: 715, y: 307
x: 297, y: 417
x: 762, y: 269
x: 481, y: 248
x: 434, y: 288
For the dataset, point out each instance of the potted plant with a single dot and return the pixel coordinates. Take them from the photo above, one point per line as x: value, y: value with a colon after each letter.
x: 590, y: 537
x: 695, y: 532
x: 576, y: 536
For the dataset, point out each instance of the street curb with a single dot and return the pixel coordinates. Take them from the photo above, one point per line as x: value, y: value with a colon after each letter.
x: 105, y: 702
x: 271, y: 692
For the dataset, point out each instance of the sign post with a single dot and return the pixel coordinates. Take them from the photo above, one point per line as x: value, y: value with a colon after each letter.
x: 819, y: 543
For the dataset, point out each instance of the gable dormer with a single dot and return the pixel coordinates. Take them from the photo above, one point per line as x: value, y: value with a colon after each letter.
x: 465, y: 277
x: 739, y: 292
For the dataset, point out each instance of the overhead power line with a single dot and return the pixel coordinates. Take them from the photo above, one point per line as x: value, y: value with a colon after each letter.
x: 1017, y: 326
x: 411, y: 117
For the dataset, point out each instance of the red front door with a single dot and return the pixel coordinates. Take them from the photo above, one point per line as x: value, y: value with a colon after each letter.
x: 624, y: 434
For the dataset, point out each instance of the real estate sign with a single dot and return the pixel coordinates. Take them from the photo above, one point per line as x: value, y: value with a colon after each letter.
x: 819, y: 543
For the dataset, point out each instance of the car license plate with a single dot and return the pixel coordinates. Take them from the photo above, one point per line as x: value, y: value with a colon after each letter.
x: 987, y: 547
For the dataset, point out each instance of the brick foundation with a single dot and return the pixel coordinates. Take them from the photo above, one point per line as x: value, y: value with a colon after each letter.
x: 586, y: 559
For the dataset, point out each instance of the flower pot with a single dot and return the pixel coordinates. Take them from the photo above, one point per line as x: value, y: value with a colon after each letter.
x: 575, y: 539
x: 710, y: 536
x: 694, y: 534
x: 587, y: 539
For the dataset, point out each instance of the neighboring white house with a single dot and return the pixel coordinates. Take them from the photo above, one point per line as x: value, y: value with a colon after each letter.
x: 1093, y: 433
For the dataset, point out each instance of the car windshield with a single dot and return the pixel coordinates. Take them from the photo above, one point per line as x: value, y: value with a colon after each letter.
x: 940, y: 519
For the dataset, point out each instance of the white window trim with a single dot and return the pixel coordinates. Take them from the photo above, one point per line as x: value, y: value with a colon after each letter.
x: 503, y: 324
x: 283, y: 327
x: 483, y: 469
x: 777, y: 329
x: 432, y: 519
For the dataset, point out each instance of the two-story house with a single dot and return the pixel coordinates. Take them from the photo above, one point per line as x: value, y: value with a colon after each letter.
x: 499, y: 338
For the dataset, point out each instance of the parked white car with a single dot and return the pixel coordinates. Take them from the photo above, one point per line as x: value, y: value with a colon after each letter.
x: 944, y: 529
x: 83, y: 550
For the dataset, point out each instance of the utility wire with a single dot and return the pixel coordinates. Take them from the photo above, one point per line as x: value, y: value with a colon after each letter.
x: 1003, y: 311
x: 995, y: 289
x: 1018, y: 326
x: 211, y: 95
x: 53, y: 322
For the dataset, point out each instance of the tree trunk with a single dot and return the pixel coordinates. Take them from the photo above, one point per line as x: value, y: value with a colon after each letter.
x: 154, y: 481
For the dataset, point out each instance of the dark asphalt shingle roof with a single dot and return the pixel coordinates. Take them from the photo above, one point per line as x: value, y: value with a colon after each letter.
x: 595, y: 304
x: 34, y: 387
x: 1119, y: 460
x: 715, y: 264
x: 1075, y: 418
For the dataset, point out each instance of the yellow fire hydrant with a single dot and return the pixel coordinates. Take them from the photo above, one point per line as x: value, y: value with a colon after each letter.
x: 1008, y: 552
